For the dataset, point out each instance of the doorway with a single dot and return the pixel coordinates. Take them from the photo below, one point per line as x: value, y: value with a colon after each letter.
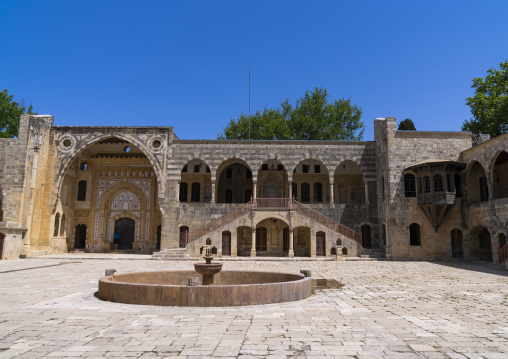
x: 261, y: 239
x: 80, y: 236
x: 226, y: 243
x: 320, y: 244
x: 456, y: 237
x: 125, y: 227
x: 2, y: 236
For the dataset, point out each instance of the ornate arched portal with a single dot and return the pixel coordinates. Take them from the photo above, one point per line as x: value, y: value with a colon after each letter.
x: 121, y: 182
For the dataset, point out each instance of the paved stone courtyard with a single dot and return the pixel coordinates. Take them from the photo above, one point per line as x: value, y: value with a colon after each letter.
x: 385, y: 310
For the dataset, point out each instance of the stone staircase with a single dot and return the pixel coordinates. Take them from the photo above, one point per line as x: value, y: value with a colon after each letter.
x: 369, y: 254
x: 263, y: 204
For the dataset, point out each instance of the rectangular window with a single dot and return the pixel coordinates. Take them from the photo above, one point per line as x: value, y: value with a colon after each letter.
x: 265, y: 167
x: 83, y: 166
x: 409, y: 185
x: 196, y: 168
x: 280, y: 167
x: 317, y: 169
x: 305, y: 168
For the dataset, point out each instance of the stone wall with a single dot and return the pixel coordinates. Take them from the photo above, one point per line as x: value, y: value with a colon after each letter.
x: 398, y: 150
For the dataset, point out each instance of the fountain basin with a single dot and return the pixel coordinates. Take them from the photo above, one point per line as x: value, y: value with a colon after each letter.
x: 208, y: 269
x: 231, y: 288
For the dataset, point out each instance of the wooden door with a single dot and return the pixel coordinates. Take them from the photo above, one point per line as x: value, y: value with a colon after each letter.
x: 226, y: 243
x: 456, y: 238
x: 320, y: 244
x: 261, y: 239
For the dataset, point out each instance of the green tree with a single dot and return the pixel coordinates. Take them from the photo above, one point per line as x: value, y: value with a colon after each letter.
x: 10, y: 112
x: 407, y: 125
x: 489, y: 105
x: 312, y: 117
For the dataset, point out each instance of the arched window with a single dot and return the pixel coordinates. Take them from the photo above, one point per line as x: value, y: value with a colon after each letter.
x: 184, y: 187
x: 414, y: 234
x: 502, y: 240
x: 409, y: 185
x: 195, y: 192
x: 62, y: 226
x: 56, y: 225
x: 184, y: 236
x: 426, y: 184
x: 82, y: 191
x: 438, y: 183
x: 305, y: 192
x: 318, y: 192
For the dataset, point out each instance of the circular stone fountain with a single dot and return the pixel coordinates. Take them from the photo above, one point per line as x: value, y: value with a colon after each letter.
x: 220, y: 288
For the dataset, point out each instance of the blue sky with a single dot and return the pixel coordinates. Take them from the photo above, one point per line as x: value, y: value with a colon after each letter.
x: 185, y: 64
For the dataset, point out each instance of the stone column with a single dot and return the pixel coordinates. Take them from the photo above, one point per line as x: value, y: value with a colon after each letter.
x: 213, y: 192
x: 253, y: 244
x: 178, y: 190
x: 290, y: 190
x: 254, y: 187
x: 331, y: 192
x: 291, y: 252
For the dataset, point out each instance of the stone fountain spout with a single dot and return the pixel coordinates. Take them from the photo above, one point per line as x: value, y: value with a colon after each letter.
x: 208, y: 269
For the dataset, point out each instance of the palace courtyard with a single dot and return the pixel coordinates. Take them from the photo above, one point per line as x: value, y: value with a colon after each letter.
x: 386, y: 309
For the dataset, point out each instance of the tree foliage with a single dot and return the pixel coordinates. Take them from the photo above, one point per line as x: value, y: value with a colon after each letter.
x: 489, y: 105
x: 407, y: 125
x: 10, y: 112
x: 312, y: 117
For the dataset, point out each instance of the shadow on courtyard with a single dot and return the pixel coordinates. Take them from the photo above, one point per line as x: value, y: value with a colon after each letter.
x: 477, y: 266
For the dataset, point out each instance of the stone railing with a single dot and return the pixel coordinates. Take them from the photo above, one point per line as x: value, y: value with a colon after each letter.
x: 275, y: 203
x: 437, y: 198
x: 271, y: 203
x: 503, y: 254
x: 219, y: 222
x: 327, y: 222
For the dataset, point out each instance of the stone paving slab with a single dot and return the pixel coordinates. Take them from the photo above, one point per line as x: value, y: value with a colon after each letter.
x: 385, y: 310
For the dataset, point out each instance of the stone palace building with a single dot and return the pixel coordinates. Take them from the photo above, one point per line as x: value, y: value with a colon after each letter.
x: 405, y: 195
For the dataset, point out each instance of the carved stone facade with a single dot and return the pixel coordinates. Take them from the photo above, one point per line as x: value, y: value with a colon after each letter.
x: 143, y: 190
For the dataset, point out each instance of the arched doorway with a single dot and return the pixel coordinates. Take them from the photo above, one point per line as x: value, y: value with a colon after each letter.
x: 226, y: 243
x: 80, y: 237
x: 366, y: 238
x: 107, y: 180
x: 480, y: 244
x: 456, y: 242
x: 301, y: 241
x: 126, y: 228
x: 320, y: 244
